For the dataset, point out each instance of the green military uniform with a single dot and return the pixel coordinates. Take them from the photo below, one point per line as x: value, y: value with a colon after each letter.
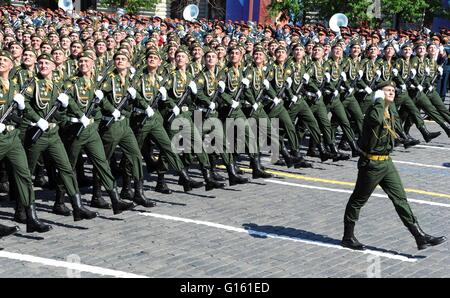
x: 350, y: 103
x: 369, y: 68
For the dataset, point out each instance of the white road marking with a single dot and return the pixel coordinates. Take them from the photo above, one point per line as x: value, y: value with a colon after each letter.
x: 350, y: 191
x: 276, y: 236
x: 420, y: 164
x: 432, y: 147
x: 68, y: 265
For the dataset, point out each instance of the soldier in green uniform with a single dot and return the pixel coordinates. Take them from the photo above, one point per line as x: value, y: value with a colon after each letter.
x: 11, y: 148
x: 40, y: 98
x: 375, y: 167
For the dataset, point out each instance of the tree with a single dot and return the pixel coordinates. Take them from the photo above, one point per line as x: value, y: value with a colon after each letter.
x: 131, y: 6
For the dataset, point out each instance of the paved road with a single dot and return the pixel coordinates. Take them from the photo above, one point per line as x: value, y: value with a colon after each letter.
x: 288, y: 226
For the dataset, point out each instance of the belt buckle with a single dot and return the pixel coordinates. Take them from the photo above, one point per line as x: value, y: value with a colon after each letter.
x: 185, y: 109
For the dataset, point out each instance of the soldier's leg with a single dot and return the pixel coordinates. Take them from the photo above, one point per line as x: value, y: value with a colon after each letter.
x: 437, y: 102
x: 425, y: 104
x: 320, y: 112
x: 353, y: 108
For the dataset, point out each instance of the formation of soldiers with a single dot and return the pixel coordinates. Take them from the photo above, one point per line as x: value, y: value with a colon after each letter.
x: 96, y: 83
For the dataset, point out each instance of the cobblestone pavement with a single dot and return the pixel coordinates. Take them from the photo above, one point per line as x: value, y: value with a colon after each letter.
x: 287, y: 226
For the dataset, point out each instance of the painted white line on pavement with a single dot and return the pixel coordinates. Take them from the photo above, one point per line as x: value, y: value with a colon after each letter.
x: 432, y: 147
x: 420, y: 164
x: 350, y: 191
x: 276, y: 236
x: 68, y: 265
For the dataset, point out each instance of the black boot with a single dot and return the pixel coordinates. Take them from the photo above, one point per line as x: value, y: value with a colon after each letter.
x: 257, y: 171
x: 233, y: 177
x: 33, y: 222
x: 210, y: 182
x: 117, y: 204
x: 59, y: 207
x: 127, y: 192
x: 4, y: 187
x: 39, y: 177
x: 287, y: 157
x: 139, y: 197
x: 79, y: 211
x: 428, y: 136
x: 6, y: 231
x: 323, y: 152
x: 406, y: 140
x: 299, y: 160
x: 344, y: 145
x: 214, y: 174
x: 187, y: 182
x: 312, y: 150
x: 238, y: 169
x: 356, y: 151
x: 446, y: 128
x: 97, y: 200
x: 20, y: 215
x: 349, y: 240
x: 424, y: 240
x: 161, y: 185
x: 338, y: 155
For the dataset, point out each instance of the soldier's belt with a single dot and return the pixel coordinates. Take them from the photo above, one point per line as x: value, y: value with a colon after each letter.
x: 377, y: 157
x: 76, y: 120
x: 108, y: 118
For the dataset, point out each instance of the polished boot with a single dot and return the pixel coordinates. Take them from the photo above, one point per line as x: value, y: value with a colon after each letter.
x: 210, y: 182
x: 117, y: 204
x: 338, y: 155
x: 6, y: 231
x: 356, y: 151
x: 312, y: 150
x: 406, y: 140
x: 239, y: 171
x: 299, y: 160
x: 59, y: 207
x: 446, y: 128
x: 161, y: 185
x: 20, y: 215
x: 349, y: 240
x: 4, y: 187
x: 97, y: 200
x: 187, y: 182
x: 428, y: 136
x: 344, y: 145
x: 139, y: 197
x: 214, y: 174
x: 39, y: 177
x: 424, y: 240
x: 79, y: 211
x: 288, y: 158
x: 33, y: 222
x: 233, y: 177
x: 323, y: 152
x: 127, y: 192
x: 257, y: 171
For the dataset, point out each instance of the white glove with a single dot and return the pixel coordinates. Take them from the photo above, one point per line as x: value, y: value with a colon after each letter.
x: 350, y: 90
x: 176, y: 110
x: 441, y: 48
x: 319, y: 94
x: 163, y: 92
x: 420, y: 88
x: 132, y: 70
x: 234, y: 104
x: 440, y: 70
x: 328, y: 77
x: 99, y: 94
x: 193, y: 87
x: 395, y: 72
x: 266, y: 84
x: 294, y: 98
x: 413, y: 73
x: 132, y: 92
x: 378, y: 72
x: 368, y: 90
x: 99, y: 78
x: 344, y: 76
x: 149, y: 111
x: 2, y: 127
x: 63, y: 99
x: 403, y: 87
x: 255, y: 106
x: 379, y: 95
x: 221, y: 86
x: 116, y: 114
x: 306, y: 78
x: 212, y: 106
x: 264, y: 68
x: 84, y: 120
x: 335, y: 93
x: 427, y: 70
x: 42, y: 124
x: 289, y: 82
x: 276, y: 101
x: 430, y: 89
x: 360, y: 74
x: 246, y: 82
x: 20, y: 100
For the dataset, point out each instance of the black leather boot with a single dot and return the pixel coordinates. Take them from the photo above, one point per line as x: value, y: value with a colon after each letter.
x: 33, y: 222
x: 424, y: 240
x: 406, y: 139
x: 20, y: 215
x: 59, y: 207
x: 39, y: 177
x: 6, y: 231
x: 161, y: 185
x: 356, y: 151
x: 139, y: 197
x: 214, y: 174
x: 187, y: 182
x: 119, y: 205
x: 4, y: 187
x: 349, y: 240
x: 79, y: 211
x: 239, y: 171
x: 233, y: 177
x: 257, y: 171
x: 428, y: 136
x: 312, y: 150
x: 338, y: 155
x: 344, y: 145
x: 97, y: 200
x: 288, y: 159
x: 127, y: 192
x: 446, y: 128
x: 210, y: 182
x: 299, y: 160
x: 323, y: 152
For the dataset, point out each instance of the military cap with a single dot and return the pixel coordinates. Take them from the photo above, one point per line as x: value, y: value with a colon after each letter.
x: 407, y: 45
x: 355, y: 42
x: 76, y: 42
x: 152, y: 51
x: 119, y: 53
x: 99, y: 41
x: 281, y: 48
x: 30, y: 49
x: 259, y: 48
x: 318, y: 45
x: 297, y: 45
x: 86, y: 54
x: 46, y: 56
x: 389, y: 44
x: 182, y: 49
x: 6, y: 54
x: 57, y: 49
x: 383, y: 84
x: 15, y: 43
x: 36, y: 35
x: 371, y: 46
x: 210, y: 50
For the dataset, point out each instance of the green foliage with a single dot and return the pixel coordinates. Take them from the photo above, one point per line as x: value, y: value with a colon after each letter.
x: 131, y: 6
x: 287, y: 8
